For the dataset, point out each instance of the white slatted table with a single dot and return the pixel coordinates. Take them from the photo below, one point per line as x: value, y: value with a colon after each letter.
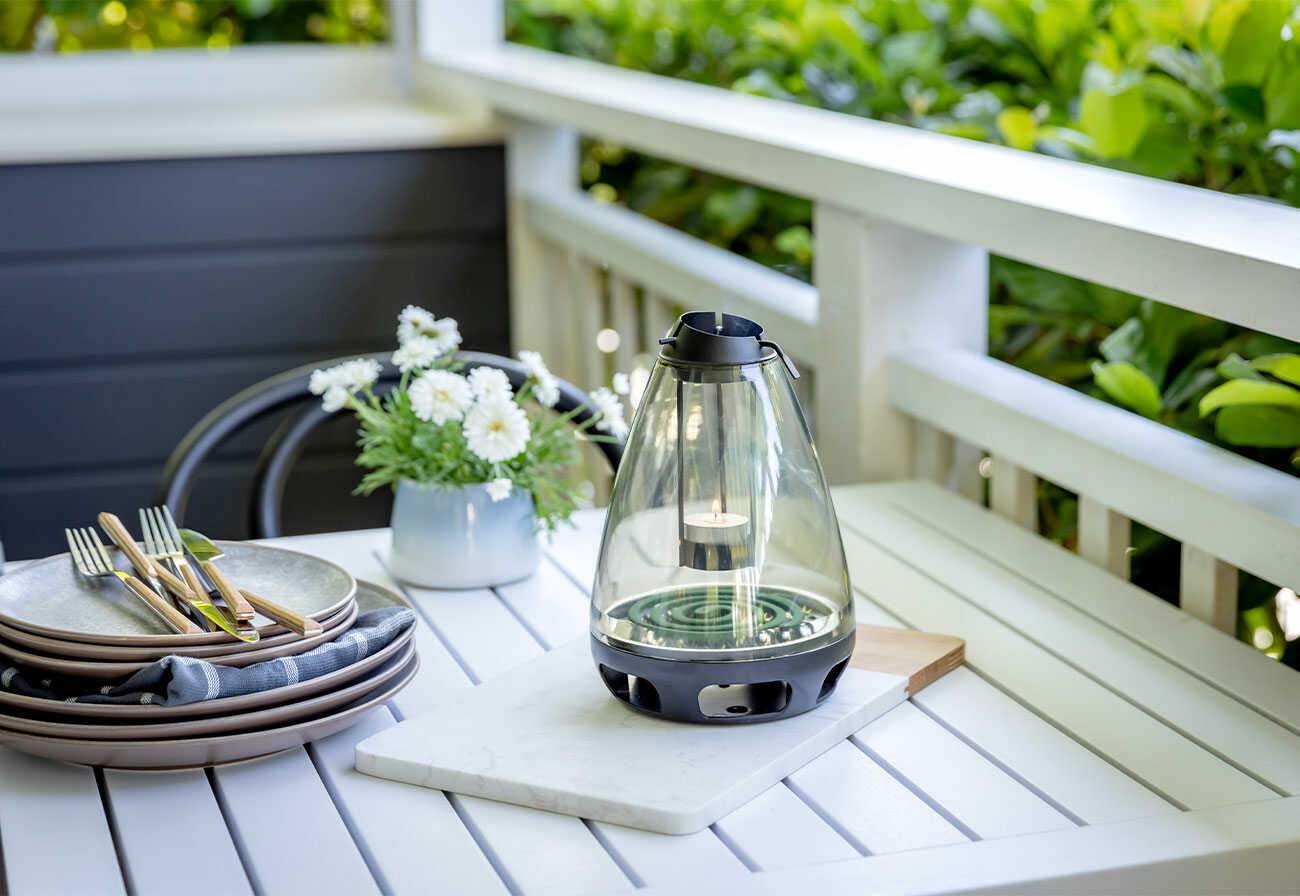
x: 1098, y: 740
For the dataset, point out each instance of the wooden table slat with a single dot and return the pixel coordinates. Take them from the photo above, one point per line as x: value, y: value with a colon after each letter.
x: 1183, y: 701
x: 54, y: 833
x: 287, y: 825
x: 161, y: 848
x: 1154, y: 753
x: 871, y: 805
x: 412, y: 835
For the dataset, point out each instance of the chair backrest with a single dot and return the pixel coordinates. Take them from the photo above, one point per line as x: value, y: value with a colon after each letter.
x: 289, y: 389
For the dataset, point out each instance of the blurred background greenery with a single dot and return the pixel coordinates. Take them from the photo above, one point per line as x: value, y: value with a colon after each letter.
x: 1204, y: 92
x: 68, y: 26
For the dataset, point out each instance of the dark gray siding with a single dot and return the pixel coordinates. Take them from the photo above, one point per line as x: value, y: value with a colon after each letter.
x: 134, y: 296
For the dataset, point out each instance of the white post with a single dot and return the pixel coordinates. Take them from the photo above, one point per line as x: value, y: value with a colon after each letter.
x: 451, y: 25
x: 623, y: 319
x: 933, y: 457
x: 1013, y: 493
x: 1208, y: 588
x: 883, y: 289
x: 539, y: 159
x: 1104, y: 536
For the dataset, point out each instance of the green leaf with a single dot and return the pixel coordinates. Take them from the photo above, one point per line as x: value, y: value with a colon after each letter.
x: 1113, y: 113
x: 1129, y: 386
x: 1258, y: 426
x: 1235, y: 367
x: 1282, y: 90
x: 1236, y: 392
x: 1254, y: 40
x: 1283, y: 366
x: 1018, y: 127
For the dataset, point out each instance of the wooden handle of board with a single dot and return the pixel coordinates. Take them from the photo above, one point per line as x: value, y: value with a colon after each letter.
x: 923, y: 657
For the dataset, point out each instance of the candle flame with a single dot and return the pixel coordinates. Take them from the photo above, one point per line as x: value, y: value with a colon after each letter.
x: 717, y: 507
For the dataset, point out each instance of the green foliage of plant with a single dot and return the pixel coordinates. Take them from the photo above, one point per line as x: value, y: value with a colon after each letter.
x: 69, y: 26
x: 1204, y: 92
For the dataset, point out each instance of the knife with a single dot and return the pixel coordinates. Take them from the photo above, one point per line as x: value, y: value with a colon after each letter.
x: 193, y: 596
x: 205, y: 551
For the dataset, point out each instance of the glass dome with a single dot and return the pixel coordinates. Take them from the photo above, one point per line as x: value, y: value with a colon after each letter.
x: 721, y: 545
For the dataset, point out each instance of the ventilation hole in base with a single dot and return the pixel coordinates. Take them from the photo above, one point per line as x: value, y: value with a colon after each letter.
x: 731, y: 701
x: 631, y: 689
x: 832, y: 677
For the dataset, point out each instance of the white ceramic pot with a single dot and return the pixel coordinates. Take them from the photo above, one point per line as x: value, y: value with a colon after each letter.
x: 461, y: 538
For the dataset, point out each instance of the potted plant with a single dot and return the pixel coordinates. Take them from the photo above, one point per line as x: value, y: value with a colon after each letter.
x: 479, y: 467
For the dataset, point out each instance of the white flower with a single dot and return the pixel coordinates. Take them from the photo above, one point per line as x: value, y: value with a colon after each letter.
x: 547, y: 392
x: 496, y: 429
x: 534, y: 364
x: 499, y: 489
x: 545, y: 389
x: 358, y: 374
x: 606, y: 404
x: 621, y: 383
x: 421, y: 351
x: 485, y: 381
x: 414, y: 323
x: 337, y: 382
x: 335, y: 398
x: 439, y: 396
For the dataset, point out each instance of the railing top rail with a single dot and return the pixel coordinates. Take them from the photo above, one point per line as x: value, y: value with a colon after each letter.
x: 1231, y: 257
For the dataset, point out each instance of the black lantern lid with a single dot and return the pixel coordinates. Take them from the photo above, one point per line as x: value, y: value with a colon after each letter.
x: 713, y: 338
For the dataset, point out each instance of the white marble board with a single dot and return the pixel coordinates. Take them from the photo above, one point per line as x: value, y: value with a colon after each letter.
x: 548, y: 735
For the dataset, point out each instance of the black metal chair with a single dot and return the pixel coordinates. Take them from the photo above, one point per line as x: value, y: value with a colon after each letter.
x: 281, y: 451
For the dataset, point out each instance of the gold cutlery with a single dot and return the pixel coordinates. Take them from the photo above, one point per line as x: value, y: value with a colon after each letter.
x: 205, y: 550
x: 161, y: 548
x: 92, y: 560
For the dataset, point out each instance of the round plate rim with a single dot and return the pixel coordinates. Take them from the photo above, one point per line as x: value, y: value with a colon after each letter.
x: 172, y: 640
x: 206, y: 707
x: 240, y: 721
x: 326, y: 725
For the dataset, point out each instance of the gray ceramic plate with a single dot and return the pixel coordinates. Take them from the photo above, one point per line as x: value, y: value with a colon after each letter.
x: 193, y: 752
x: 104, y: 671
x: 116, y: 653
x: 224, y: 724
x: 48, y: 597
x: 369, y: 596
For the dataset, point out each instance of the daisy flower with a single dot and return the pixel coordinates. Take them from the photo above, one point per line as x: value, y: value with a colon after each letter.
x: 336, y: 383
x: 496, y: 429
x: 610, y: 410
x: 439, y: 396
x: 415, y: 322
x: 485, y: 381
x: 499, y: 489
x: 621, y: 383
x: 415, y: 353
x: 546, y: 390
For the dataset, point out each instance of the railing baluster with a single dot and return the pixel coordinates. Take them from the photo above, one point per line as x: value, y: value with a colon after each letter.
x: 659, y: 315
x: 624, y: 320
x: 586, y: 300
x: 933, y: 454
x: 883, y: 288
x: 1013, y: 493
x: 1208, y: 588
x: 1104, y: 536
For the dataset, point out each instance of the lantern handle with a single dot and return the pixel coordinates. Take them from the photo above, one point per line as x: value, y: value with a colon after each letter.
x: 789, y: 365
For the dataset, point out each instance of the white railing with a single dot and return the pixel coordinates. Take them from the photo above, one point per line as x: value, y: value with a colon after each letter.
x: 894, y: 327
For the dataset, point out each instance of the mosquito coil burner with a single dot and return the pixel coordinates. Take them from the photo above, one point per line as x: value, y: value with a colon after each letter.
x: 721, y: 594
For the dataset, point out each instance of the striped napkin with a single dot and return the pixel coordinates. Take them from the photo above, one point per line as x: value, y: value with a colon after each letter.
x: 175, y: 680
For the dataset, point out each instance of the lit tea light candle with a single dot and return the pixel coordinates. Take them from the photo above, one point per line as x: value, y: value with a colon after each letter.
x: 716, y: 526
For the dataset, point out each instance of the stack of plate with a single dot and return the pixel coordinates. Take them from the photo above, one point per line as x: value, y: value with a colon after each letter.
x: 57, y: 625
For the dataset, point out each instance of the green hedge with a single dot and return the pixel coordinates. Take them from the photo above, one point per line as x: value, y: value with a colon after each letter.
x: 1205, y: 92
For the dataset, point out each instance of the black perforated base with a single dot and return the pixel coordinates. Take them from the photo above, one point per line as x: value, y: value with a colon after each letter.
x: 726, y: 693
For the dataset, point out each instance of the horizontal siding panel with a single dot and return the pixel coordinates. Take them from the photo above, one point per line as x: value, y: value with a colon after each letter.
x: 247, y: 300
x: 237, y: 201
x: 35, y: 509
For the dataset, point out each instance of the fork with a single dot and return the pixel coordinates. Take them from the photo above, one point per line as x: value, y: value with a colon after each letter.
x: 92, y: 560
x: 163, y: 546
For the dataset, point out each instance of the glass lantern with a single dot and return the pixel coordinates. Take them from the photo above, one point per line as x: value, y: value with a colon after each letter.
x: 721, y: 593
